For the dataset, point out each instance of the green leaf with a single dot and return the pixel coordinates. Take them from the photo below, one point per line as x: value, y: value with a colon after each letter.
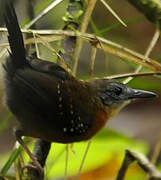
x: 11, y: 159
x: 104, y: 146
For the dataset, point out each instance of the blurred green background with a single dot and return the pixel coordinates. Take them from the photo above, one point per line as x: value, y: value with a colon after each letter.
x: 137, y: 126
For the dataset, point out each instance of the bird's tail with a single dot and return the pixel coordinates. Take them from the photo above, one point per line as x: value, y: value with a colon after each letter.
x: 17, y: 57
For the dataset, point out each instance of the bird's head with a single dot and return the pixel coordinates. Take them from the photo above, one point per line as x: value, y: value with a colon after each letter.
x: 113, y: 93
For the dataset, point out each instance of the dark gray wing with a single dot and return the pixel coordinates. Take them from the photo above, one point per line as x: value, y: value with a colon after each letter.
x: 49, y: 68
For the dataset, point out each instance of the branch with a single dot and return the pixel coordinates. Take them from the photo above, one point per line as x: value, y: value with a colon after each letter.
x: 41, y: 150
x: 72, y: 21
x: 43, y: 13
x: 150, y: 8
x: 143, y: 162
x: 85, y: 21
x: 119, y: 76
x: 105, y: 45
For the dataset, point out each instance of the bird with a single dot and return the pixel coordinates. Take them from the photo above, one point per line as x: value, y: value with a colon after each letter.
x: 52, y: 104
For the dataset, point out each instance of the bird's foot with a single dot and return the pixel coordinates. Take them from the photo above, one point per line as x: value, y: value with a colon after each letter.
x: 33, y: 170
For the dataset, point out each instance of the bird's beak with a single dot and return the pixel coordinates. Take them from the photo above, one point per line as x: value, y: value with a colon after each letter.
x: 136, y: 93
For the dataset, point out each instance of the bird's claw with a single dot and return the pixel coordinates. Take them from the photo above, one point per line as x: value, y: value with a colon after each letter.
x: 35, y: 169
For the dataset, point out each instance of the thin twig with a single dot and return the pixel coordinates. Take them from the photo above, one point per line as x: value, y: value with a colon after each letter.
x: 156, y: 151
x: 143, y: 162
x: 83, y: 160
x: 107, y: 46
x: 113, y: 12
x: 87, y: 16
x: 147, y: 53
x: 92, y: 60
x: 151, y: 64
x: 36, y: 46
x: 17, y: 170
x: 48, y: 38
x: 43, y: 13
x: 133, y: 74
x: 126, y: 163
x: 30, y: 11
x: 66, y: 162
x: 37, y: 18
x: 46, y: 44
x: 85, y: 36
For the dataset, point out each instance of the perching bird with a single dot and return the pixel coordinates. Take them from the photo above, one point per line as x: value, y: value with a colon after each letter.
x: 49, y: 103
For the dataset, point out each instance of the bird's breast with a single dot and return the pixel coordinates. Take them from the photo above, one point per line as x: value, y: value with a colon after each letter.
x: 100, y: 119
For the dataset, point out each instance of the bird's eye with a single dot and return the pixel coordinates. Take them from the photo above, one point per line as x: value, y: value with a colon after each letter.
x: 117, y: 90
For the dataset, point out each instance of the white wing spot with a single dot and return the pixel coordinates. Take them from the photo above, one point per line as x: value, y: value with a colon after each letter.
x: 60, y: 105
x: 58, y: 86
x: 81, y: 124
x: 65, y: 129
x: 60, y: 98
